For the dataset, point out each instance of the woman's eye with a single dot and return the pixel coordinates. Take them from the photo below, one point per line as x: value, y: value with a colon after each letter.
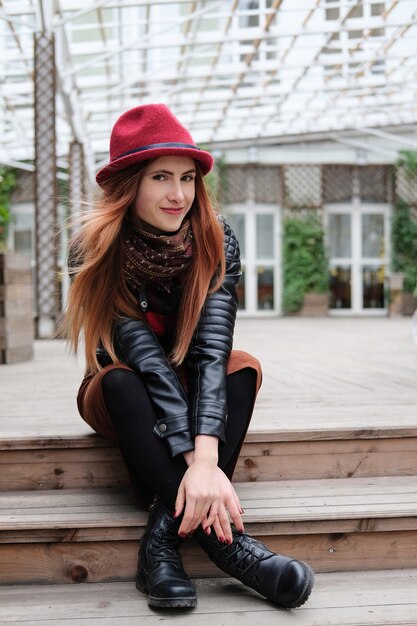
x: 188, y: 178
x: 159, y: 177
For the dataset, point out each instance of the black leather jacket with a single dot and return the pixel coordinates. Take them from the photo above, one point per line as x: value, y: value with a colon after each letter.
x: 204, y: 411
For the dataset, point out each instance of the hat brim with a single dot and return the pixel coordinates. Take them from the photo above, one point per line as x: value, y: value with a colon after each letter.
x: 203, y: 158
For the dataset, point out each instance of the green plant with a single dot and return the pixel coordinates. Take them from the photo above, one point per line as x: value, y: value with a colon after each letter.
x: 408, y: 161
x: 7, y: 183
x: 404, y: 245
x: 305, y: 261
x: 216, y: 181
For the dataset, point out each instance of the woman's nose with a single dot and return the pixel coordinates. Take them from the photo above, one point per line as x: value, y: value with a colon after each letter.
x: 176, y: 193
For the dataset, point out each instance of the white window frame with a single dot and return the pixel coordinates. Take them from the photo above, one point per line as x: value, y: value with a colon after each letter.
x: 356, y: 209
x: 250, y: 262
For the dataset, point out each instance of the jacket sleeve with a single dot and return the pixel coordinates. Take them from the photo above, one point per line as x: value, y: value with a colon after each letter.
x: 137, y: 346
x: 211, y: 347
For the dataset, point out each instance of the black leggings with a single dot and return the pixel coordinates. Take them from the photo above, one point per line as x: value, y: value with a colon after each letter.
x: 151, y: 466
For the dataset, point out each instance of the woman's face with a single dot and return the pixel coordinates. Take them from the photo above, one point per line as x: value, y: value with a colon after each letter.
x: 166, y: 193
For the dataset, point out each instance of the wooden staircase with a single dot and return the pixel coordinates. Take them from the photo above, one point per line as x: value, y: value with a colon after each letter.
x: 347, y: 504
x: 333, y: 483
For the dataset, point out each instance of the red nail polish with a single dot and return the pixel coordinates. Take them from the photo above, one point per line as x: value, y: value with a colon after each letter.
x: 182, y: 535
x: 207, y: 530
x: 229, y: 542
x: 221, y: 539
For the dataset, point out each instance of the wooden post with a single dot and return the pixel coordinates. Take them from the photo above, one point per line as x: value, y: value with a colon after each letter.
x: 16, y: 316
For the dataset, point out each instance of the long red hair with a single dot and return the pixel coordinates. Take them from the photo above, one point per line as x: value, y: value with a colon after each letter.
x: 98, y: 293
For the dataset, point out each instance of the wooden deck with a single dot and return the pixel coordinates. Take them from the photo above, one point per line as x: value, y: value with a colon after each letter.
x: 320, y: 375
x: 354, y: 599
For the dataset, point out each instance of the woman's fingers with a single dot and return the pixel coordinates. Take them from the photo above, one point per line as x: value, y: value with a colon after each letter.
x: 218, y: 529
x: 235, y: 514
x: 180, y: 500
x: 222, y: 526
x: 194, y: 514
x: 212, y: 514
x: 200, y: 513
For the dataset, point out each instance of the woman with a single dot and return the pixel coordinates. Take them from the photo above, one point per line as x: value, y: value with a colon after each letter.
x: 154, y: 275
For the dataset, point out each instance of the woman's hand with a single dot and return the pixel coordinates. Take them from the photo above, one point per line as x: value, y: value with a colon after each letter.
x: 206, y: 494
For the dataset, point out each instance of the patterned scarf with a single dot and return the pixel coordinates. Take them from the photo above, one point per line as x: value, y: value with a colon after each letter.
x: 157, y: 259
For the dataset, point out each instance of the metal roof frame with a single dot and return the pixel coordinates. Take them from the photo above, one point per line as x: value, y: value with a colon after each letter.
x: 234, y: 71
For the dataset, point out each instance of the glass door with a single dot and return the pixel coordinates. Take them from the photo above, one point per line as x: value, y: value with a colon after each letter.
x: 358, y: 246
x: 257, y: 230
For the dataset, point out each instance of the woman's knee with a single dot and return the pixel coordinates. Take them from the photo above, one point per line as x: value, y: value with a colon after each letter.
x: 117, y: 381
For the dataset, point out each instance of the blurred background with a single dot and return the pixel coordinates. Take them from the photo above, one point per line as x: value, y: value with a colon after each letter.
x: 309, y: 107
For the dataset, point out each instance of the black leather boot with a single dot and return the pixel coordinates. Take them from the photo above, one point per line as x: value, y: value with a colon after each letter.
x: 285, y: 581
x: 160, y: 569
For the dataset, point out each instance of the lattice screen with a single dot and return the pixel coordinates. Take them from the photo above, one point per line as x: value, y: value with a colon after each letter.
x: 235, y: 187
x: 77, y: 183
x: 406, y: 187
x: 375, y: 183
x: 302, y: 186
x: 338, y: 183
x: 25, y: 188
x: 47, y: 293
x: 267, y: 184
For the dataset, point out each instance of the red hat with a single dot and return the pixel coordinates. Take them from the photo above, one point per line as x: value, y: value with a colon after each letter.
x: 148, y: 132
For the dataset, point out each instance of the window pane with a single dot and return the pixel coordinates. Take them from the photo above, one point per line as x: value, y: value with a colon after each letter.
x: 265, y: 236
x: 23, y: 242
x: 373, y: 236
x: 265, y: 280
x: 237, y: 222
x: 340, y: 288
x: 340, y: 235
x: 373, y: 287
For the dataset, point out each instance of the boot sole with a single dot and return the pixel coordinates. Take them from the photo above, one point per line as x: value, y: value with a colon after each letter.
x: 185, y: 603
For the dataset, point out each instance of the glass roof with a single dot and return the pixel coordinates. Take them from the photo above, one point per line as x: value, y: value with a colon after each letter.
x: 236, y: 72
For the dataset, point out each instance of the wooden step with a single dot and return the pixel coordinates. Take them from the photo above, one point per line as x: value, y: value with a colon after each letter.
x: 385, y: 598
x: 336, y: 525
x: 334, y: 451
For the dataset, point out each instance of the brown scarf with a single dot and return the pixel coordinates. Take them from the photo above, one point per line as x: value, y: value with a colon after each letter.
x: 157, y: 259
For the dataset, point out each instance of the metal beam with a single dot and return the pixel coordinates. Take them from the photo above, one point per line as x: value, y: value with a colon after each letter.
x: 356, y: 143
x: 144, y: 40
x: 390, y: 137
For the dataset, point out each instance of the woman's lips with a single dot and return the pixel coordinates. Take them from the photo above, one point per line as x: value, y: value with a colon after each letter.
x: 172, y: 210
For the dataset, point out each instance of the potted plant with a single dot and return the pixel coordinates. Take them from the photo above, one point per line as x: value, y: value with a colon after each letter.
x: 305, y: 265
x: 404, y: 253
x: 16, y: 318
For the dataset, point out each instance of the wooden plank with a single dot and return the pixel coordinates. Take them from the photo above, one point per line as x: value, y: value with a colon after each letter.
x: 14, y: 261
x: 327, y: 459
x: 17, y: 354
x: 13, y: 339
x: 17, y: 324
x: 45, y: 431
x: 62, y: 468
x: 117, y: 560
x: 16, y: 291
x: 268, y: 529
x: 272, y: 502
x: 223, y: 598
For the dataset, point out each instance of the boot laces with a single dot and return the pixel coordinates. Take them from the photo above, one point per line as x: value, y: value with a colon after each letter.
x: 165, y: 546
x: 243, y: 555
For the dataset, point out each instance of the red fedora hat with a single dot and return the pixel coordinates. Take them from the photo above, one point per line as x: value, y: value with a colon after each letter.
x: 147, y: 132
